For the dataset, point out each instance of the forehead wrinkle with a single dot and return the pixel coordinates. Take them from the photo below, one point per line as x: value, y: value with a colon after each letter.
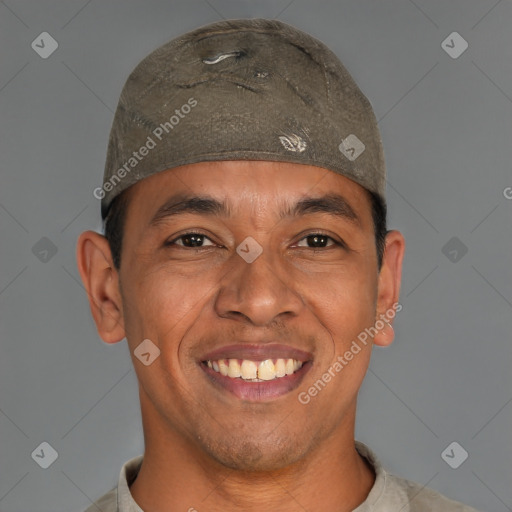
x: 255, y: 208
x: 258, y: 208
x: 332, y: 204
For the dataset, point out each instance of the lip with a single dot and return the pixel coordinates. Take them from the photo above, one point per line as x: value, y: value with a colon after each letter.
x: 258, y: 352
x: 257, y: 391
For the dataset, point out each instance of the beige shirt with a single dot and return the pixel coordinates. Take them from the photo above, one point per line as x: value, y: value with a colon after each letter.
x: 388, y: 494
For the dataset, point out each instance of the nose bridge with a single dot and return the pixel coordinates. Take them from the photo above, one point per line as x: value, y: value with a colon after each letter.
x: 255, y: 287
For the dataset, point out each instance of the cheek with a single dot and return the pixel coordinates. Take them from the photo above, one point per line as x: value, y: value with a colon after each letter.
x: 345, y: 306
x: 343, y: 300
x: 162, y: 306
x: 159, y: 297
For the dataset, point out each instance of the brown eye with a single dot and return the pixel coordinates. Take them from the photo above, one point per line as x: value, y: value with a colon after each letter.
x: 317, y: 241
x: 191, y: 240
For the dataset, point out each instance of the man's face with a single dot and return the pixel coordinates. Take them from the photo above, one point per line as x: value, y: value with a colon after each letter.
x: 307, y: 296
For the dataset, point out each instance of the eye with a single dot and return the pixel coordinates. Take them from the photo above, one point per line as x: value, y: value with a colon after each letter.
x: 191, y: 240
x: 317, y: 241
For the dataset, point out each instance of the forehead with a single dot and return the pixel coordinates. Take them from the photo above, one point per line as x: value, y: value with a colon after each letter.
x: 253, y: 187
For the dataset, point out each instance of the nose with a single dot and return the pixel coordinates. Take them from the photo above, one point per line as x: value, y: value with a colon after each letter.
x: 257, y: 292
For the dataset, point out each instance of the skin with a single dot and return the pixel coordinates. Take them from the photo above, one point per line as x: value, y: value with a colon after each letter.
x: 204, y: 447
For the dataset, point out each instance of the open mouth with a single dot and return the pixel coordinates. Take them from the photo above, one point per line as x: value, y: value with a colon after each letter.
x: 256, y: 381
x: 256, y: 372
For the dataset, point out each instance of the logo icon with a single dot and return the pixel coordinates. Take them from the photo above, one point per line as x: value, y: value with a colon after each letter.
x: 454, y: 455
x: 454, y: 249
x: 45, y: 455
x: 146, y: 352
x: 44, y: 250
x: 454, y: 45
x: 351, y: 147
x: 44, y: 45
x: 249, y: 249
x: 293, y: 143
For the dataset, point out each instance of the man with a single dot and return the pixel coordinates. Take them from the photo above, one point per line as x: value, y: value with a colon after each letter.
x: 247, y: 262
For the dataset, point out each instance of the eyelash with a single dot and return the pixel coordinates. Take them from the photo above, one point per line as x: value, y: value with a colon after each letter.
x: 188, y: 233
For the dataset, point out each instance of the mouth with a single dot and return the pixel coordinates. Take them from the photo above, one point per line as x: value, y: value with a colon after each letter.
x: 256, y: 373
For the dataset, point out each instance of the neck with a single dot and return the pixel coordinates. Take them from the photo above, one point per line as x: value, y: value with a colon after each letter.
x: 177, y: 475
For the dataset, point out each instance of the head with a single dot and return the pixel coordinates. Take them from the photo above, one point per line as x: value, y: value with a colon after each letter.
x: 315, y: 287
x: 252, y: 252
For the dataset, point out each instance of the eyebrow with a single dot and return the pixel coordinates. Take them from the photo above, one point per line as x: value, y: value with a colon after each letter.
x: 331, y: 204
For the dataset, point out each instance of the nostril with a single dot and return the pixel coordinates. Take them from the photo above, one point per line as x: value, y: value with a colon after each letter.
x: 221, y: 56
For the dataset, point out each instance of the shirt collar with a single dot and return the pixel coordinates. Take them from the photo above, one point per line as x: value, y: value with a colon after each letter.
x: 125, y: 501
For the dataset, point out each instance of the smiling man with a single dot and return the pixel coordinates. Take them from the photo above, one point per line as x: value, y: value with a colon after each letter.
x: 247, y: 263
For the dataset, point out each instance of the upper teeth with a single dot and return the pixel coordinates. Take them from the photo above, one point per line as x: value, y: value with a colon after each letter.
x: 256, y: 371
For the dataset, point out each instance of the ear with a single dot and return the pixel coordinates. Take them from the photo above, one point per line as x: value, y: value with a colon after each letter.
x: 101, y: 282
x: 388, y: 293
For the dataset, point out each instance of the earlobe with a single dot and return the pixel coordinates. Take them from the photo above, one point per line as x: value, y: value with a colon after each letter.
x: 388, y: 294
x: 385, y: 335
x: 101, y: 283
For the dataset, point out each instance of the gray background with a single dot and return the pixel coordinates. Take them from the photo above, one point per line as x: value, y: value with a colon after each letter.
x: 447, y: 127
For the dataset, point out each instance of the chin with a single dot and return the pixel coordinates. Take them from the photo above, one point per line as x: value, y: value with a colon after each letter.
x: 252, y: 456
